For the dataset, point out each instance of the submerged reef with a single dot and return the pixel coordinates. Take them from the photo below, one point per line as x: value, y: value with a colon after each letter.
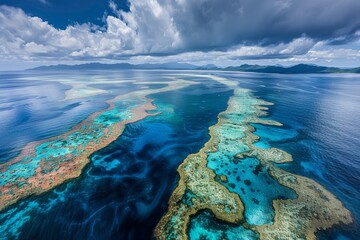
x: 45, y: 164
x: 240, y: 185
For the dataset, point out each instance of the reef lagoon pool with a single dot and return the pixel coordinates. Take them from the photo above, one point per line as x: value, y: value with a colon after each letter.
x: 143, y: 154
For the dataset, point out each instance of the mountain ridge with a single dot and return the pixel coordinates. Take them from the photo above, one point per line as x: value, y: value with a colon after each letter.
x: 296, y: 69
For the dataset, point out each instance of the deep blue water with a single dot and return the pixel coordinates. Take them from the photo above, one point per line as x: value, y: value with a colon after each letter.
x: 124, y: 191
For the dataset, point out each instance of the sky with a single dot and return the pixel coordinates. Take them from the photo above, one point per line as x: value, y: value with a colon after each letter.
x: 200, y: 32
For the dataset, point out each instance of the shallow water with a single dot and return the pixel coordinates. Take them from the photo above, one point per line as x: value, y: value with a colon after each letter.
x: 125, y: 188
x: 203, y: 226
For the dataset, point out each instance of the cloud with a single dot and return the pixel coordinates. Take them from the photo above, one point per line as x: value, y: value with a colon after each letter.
x: 238, y: 29
x: 209, y: 24
x: 23, y: 36
x: 298, y: 46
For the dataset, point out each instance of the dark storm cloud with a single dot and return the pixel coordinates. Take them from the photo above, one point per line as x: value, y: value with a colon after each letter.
x: 217, y: 23
x: 343, y: 40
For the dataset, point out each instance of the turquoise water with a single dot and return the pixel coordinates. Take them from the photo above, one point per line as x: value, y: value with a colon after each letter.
x: 256, y: 188
x: 203, y: 226
x: 124, y: 190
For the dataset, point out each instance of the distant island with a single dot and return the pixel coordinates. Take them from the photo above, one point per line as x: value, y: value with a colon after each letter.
x: 297, y: 69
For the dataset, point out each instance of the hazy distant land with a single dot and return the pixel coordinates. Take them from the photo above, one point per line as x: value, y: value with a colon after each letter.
x: 297, y: 69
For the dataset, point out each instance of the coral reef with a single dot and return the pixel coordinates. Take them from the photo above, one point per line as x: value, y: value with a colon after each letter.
x: 45, y: 164
x: 232, y: 141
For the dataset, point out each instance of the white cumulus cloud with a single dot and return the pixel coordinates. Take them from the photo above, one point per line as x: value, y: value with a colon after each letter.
x: 187, y: 29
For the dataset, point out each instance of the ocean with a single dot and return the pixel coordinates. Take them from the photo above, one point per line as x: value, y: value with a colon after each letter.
x: 123, y: 192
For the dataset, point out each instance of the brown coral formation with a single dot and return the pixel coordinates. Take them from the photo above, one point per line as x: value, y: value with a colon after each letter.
x: 314, y: 209
x: 54, y: 171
